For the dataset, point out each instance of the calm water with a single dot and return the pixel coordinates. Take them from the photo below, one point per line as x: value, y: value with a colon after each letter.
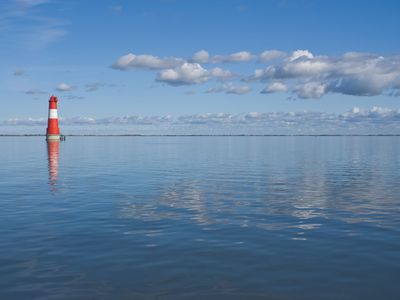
x: 200, y: 217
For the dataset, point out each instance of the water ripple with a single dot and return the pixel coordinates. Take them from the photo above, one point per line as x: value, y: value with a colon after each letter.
x: 197, y: 217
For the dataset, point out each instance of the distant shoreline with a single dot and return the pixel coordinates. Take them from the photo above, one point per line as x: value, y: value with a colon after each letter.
x: 192, y: 135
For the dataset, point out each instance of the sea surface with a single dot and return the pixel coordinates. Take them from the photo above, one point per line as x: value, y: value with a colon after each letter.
x: 200, y: 218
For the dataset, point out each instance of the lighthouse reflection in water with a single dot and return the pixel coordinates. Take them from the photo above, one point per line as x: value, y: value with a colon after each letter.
x: 53, y: 148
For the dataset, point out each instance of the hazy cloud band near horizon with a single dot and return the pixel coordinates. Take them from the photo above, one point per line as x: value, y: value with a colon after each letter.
x: 376, y: 120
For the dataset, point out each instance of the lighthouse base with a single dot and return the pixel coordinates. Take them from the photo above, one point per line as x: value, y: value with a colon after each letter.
x: 52, y: 137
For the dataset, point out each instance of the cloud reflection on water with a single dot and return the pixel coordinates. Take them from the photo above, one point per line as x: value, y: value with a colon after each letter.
x: 306, y: 191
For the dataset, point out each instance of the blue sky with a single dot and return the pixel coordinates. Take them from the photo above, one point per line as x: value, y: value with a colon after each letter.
x: 115, y: 59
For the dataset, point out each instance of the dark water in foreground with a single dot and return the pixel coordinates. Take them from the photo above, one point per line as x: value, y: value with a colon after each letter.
x: 200, y: 217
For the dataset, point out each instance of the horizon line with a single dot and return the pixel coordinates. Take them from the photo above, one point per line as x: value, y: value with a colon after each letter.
x: 191, y: 135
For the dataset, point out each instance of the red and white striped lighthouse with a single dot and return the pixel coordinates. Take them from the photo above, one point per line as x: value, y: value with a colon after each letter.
x: 53, y: 132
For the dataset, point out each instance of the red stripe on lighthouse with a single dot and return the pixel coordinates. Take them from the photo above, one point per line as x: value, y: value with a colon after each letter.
x: 52, y: 123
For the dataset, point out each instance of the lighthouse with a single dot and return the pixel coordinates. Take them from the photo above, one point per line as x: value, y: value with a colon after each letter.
x: 53, y: 132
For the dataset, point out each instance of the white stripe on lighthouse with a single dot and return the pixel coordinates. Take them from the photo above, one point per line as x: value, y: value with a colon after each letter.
x: 53, y: 114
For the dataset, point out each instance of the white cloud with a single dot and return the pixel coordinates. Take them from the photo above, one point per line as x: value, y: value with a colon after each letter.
x: 94, y: 86
x: 63, y: 87
x: 49, y: 35
x: 222, y: 74
x: 259, y: 74
x: 313, y: 90
x: 384, y: 112
x: 146, y: 61
x: 274, y: 87
x: 35, y: 92
x: 201, y: 56
x: 188, y: 73
x: 376, y: 114
x: 300, y: 53
x: 308, y: 68
x: 74, y: 97
x: 230, y: 89
x: 358, y: 74
x: 271, y: 55
x: 241, y: 56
